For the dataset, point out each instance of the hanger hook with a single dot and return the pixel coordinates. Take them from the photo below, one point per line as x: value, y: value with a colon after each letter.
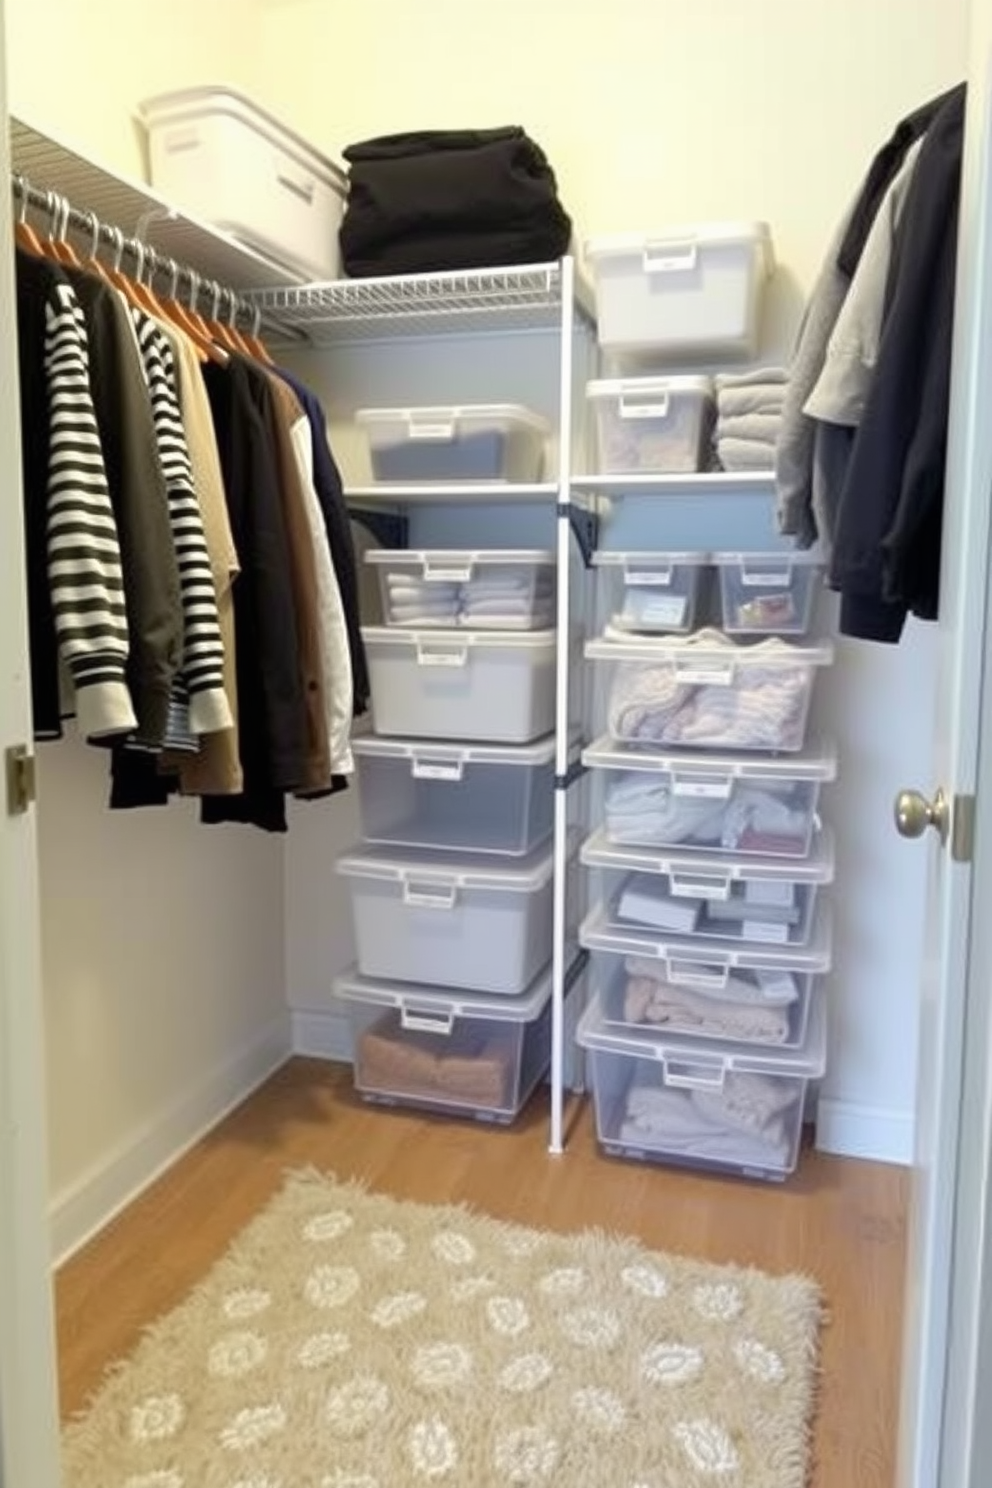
x: 138, y: 248
x: 21, y: 187
x: 66, y: 216
x: 51, y: 208
x: 194, y: 288
x: 232, y: 318
x: 256, y: 320
x: 118, y: 239
x: 93, y: 222
x: 173, y: 268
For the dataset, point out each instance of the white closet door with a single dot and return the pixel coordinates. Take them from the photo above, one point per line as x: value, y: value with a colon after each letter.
x: 28, y: 1411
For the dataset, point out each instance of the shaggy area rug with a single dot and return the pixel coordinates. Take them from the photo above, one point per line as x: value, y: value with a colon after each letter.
x: 351, y: 1341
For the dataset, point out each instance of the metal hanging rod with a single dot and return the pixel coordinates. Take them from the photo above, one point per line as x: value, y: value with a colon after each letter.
x: 148, y: 260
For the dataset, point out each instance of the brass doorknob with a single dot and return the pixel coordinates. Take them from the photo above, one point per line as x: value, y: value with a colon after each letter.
x: 914, y: 814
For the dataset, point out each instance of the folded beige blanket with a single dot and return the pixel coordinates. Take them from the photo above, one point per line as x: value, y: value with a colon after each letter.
x: 684, y: 1010
x: 472, y: 1067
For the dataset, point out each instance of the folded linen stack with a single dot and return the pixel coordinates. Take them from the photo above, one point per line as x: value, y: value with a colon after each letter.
x: 473, y: 1066
x: 746, y: 1121
x: 421, y: 602
x: 643, y: 810
x: 749, y: 412
x: 648, y: 900
x: 513, y: 598
x: 749, y: 1007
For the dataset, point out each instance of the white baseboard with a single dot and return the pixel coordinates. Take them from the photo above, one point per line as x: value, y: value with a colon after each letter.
x: 322, y: 1036
x: 851, y: 1130
x: 88, y: 1204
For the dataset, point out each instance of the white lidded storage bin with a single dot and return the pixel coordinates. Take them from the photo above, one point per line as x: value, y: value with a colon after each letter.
x: 448, y: 1051
x: 218, y: 156
x: 480, y: 442
x: 475, y: 798
x: 705, y: 691
x: 764, y: 807
x: 458, y: 920
x: 649, y: 593
x: 499, y: 589
x: 652, y: 425
x: 686, y: 294
x: 720, y: 1107
x: 768, y: 593
x: 459, y: 684
x: 746, y: 900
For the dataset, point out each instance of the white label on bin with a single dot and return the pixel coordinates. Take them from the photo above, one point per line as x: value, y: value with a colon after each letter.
x: 719, y: 675
x: 456, y: 657
x: 654, y: 578
x: 759, y: 578
x: 701, y: 788
x: 777, y: 986
x: 435, y: 770
x: 669, y: 258
x: 698, y: 886
x: 769, y: 932
x: 442, y: 432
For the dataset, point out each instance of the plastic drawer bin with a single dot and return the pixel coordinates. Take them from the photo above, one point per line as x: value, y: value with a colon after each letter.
x: 705, y: 692
x: 473, y: 798
x: 459, y: 684
x: 743, y: 900
x: 687, y: 294
x: 659, y: 983
x: 715, y: 1107
x: 723, y: 803
x: 652, y: 424
x: 448, y: 1051
x: 768, y: 593
x: 511, y: 589
x: 649, y: 593
x: 223, y: 159
x: 485, y: 442
x: 454, y: 919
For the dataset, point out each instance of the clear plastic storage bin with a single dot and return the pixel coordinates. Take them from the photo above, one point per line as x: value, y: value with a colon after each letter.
x: 764, y: 807
x: 768, y: 593
x: 746, y: 900
x: 509, y: 589
x: 652, y: 424
x: 483, y: 442
x: 685, y: 294
x: 470, y: 798
x: 448, y: 1051
x: 456, y: 920
x: 720, y: 1107
x: 705, y: 691
x: 649, y: 593
x: 459, y: 684
x: 221, y: 158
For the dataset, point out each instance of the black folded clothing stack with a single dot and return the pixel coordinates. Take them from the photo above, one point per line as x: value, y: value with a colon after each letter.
x: 450, y: 199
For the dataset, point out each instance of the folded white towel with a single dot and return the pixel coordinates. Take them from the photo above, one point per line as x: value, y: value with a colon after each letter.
x: 756, y: 376
x: 746, y: 454
x: 762, y: 427
x: 664, y: 1005
x: 758, y: 399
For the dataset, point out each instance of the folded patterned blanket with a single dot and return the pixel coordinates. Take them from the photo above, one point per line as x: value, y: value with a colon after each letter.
x: 681, y: 1009
x: 741, y: 989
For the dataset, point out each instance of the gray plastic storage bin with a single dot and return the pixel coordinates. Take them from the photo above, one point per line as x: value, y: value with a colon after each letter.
x: 460, y: 684
x: 649, y: 593
x: 474, y: 798
x: 652, y: 425
x: 481, y: 442
x: 768, y: 593
x: 714, y: 1107
x: 500, y: 589
x: 455, y: 920
x: 448, y: 1051
x: 744, y: 900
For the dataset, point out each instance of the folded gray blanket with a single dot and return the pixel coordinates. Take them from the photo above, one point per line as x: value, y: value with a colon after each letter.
x: 762, y: 427
x: 746, y: 454
x: 761, y: 398
x: 756, y: 376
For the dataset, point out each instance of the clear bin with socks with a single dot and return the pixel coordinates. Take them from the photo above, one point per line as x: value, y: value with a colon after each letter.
x: 496, y: 590
x: 649, y: 593
x: 768, y: 593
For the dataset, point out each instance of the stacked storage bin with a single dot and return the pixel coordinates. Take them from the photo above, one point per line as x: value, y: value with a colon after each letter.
x: 451, y: 888
x: 708, y: 929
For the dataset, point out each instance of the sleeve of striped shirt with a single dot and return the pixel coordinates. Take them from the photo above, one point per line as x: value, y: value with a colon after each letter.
x: 203, y: 646
x: 84, y: 557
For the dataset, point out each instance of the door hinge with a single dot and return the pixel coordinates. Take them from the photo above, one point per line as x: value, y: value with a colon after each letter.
x: 22, y: 779
x: 963, y: 829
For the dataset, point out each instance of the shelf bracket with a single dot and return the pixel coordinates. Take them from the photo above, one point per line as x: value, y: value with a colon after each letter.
x: 576, y: 969
x: 389, y: 529
x: 585, y: 526
x: 574, y: 772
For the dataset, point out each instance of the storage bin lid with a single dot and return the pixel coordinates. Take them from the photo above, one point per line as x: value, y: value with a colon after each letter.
x: 448, y: 418
x: 775, y: 564
x: 455, y: 756
x: 443, y: 1004
x: 715, y: 661
x: 715, y: 774
x: 616, y: 388
x: 715, y: 1059
x: 674, y: 241
x: 446, y: 872
x: 702, y: 868
x: 455, y: 565
x: 599, y: 933
x: 435, y: 644
x: 632, y: 563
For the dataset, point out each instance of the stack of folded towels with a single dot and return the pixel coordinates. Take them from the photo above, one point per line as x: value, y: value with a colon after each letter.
x: 749, y: 412
x: 752, y: 1007
x: 511, y: 597
x: 750, y: 1121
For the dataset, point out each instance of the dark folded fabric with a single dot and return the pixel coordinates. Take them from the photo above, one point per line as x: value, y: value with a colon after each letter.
x: 450, y: 199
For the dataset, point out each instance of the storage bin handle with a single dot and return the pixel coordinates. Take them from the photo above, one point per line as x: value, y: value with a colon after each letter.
x: 439, y: 429
x: 671, y: 257
x: 301, y: 186
x: 682, y: 1076
x: 434, y: 1022
x: 436, y: 654
x: 717, y: 674
x: 752, y: 577
x: 657, y: 407
x: 430, y: 895
x: 697, y: 974
x: 707, y: 787
x: 699, y: 885
x: 434, y: 572
x: 424, y: 768
x: 661, y: 576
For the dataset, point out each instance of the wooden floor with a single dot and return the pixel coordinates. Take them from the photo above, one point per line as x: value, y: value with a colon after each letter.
x: 841, y: 1221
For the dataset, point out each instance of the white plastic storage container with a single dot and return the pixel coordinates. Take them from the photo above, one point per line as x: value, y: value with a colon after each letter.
x: 651, y: 425
x: 482, y: 442
x: 221, y: 158
x: 746, y: 900
x: 720, y: 1107
x: 705, y: 691
x: 650, y: 593
x: 448, y: 1051
x: 687, y: 294
x: 768, y: 593
x: 764, y: 807
x: 470, y: 798
x: 508, y: 589
x: 457, y: 920
x: 459, y: 684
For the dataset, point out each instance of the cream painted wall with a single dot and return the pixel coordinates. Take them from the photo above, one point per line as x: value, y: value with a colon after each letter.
x: 655, y: 112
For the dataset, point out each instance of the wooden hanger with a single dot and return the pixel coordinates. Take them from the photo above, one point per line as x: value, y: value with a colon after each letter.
x: 92, y: 264
x: 191, y: 324
x: 62, y: 249
x: 256, y: 346
x: 24, y: 234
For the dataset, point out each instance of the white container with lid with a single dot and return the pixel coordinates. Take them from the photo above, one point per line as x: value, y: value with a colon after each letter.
x: 684, y: 294
x: 494, y: 589
x: 649, y: 593
x: 220, y: 157
x: 474, y: 442
x: 652, y: 425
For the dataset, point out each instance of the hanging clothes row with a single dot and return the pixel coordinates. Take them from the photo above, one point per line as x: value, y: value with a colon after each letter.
x: 863, y: 440
x: 192, y: 588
